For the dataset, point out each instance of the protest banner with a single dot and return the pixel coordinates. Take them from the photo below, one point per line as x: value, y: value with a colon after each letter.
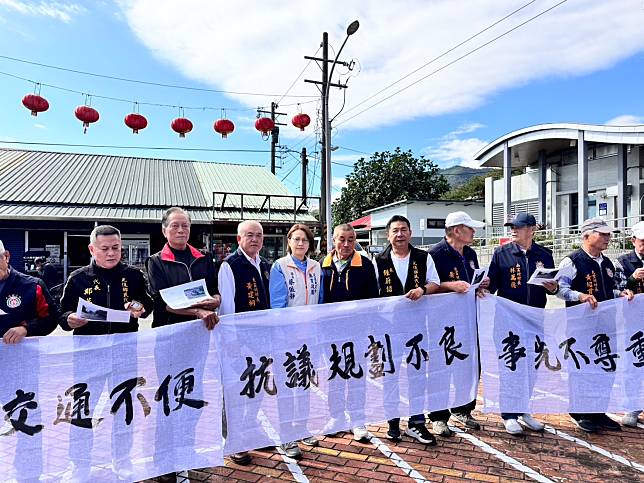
x: 562, y: 360
x: 99, y: 408
x: 301, y: 371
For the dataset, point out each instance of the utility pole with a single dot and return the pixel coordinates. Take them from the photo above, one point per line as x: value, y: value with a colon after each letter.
x: 305, y: 165
x: 275, y: 132
x: 325, y: 172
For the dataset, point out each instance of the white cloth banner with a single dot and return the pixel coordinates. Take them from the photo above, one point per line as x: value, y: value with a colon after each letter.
x: 301, y: 371
x: 575, y: 360
x: 96, y: 408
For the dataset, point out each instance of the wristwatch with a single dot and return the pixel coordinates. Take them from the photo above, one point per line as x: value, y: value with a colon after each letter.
x: 424, y: 289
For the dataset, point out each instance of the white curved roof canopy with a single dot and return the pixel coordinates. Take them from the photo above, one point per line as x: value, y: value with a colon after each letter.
x: 527, y: 142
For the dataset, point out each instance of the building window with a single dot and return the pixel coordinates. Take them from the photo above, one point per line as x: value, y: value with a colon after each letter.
x: 435, y: 223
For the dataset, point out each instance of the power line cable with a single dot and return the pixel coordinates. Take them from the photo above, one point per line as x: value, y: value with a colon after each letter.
x: 443, y: 54
x: 298, y: 77
x: 149, y: 83
x: 467, y: 54
x: 143, y: 103
x: 451, y: 49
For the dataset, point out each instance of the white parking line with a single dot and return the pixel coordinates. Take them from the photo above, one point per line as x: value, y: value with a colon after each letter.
x: 596, y: 449
x: 399, y: 462
x: 586, y: 444
x: 529, y: 472
x: 517, y: 465
x: 291, y: 464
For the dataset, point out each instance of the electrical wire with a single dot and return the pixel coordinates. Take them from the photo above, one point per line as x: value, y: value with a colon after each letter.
x: 467, y: 54
x: 298, y: 77
x: 143, y: 103
x: 139, y: 81
x: 443, y: 54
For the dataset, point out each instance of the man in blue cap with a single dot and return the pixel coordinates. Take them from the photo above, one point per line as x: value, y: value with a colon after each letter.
x: 511, y: 266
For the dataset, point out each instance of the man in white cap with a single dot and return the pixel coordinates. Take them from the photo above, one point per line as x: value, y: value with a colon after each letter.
x: 455, y: 263
x: 586, y: 276
x: 630, y: 275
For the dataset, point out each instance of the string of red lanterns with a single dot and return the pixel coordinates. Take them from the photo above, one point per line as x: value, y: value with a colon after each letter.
x: 181, y: 125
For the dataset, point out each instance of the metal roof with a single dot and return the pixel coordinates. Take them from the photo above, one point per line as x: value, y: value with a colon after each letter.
x: 48, y: 185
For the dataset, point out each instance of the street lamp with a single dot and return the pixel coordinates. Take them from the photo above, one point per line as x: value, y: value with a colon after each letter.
x: 326, y: 130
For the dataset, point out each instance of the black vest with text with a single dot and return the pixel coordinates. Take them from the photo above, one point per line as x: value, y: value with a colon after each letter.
x: 631, y: 262
x: 590, y: 278
x: 251, y: 289
x: 389, y: 282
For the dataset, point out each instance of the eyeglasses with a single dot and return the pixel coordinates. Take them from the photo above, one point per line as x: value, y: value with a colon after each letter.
x: 304, y: 241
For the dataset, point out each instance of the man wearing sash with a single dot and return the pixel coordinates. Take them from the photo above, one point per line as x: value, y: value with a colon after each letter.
x: 402, y: 269
x: 243, y: 284
x: 586, y: 276
x: 455, y: 263
x: 511, y: 267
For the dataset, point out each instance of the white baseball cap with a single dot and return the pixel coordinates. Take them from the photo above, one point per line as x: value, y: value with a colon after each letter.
x: 462, y: 218
x: 638, y: 230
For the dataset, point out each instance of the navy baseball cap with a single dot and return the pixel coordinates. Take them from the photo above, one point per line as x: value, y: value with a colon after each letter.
x: 522, y: 219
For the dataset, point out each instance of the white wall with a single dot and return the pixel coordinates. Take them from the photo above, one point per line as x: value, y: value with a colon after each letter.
x: 421, y: 210
x: 524, y: 187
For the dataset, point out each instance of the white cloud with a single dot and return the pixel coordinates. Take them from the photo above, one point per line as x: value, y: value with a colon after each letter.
x: 233, y: 47
x: 40, y: 126
x: 56, y: 10
x: 625, y: 120
x: 347, y: 158
x: 338, y: 183
x: 452, y: 150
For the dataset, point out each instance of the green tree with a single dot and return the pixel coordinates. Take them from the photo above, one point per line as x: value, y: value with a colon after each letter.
x: 474, y: 188
x: 385, y: 178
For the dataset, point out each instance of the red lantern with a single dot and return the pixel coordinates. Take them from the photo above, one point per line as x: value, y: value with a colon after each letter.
x: 35, y: 103
x: 136, y: 122
x: 182, y: 126
x: 264, y: 125
x: 87, y: 115
x: 224, y: 127
x: 301, y: 121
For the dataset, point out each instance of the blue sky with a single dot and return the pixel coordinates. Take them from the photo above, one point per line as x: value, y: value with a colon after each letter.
x: 581, y: 62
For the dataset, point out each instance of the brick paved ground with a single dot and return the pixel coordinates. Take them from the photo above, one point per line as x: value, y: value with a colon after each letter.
x: 340, y: 459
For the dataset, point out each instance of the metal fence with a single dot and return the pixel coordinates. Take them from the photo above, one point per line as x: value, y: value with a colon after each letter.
x: 561, y: 240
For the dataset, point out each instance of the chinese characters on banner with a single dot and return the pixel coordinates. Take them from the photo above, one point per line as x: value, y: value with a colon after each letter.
x: 96, y: 408
x: 562, y: 360
x: 291, y: 373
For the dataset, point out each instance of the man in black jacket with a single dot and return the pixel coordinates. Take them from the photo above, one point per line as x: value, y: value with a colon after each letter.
x: 109, y: 283
x: 27, y: 307
x: 347, y: 275
x: 27, y: 310
x: 511, y: 267
x: 178, y: 263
